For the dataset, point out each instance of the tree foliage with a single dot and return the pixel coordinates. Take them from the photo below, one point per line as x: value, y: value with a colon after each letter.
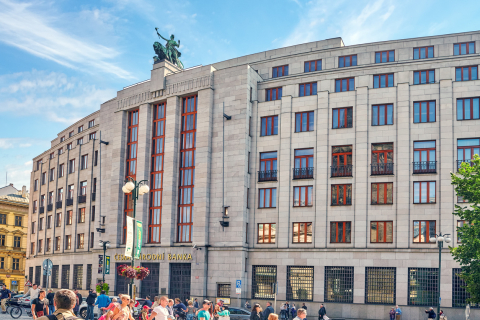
x: 467, y: 185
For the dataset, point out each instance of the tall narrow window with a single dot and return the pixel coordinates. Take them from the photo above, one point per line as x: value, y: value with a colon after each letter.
x: 80, y: 141
x: 187, y: 169
x: 385, y: 56
x: 69, y: 146
x: 156, y: 175
x: 81, y: 215
x: 269, y: 126
x: 424, y: 158
x: 35, y: 185
x: 84, y: 162
x: 424, y: 231
x: 460, y: 224
x: 61, y: 170
x: 423, y: 52
x: 463, y: 48
x: 424, y: 76
x: 347, y: 84
x: 382, y: 158
x: 57, y: 244
x: 52, y: 174
x: 91, y: 123
x: 35, y: 206
x: 267, y: 198
x: 382, y: 114
x: 466, y: 149
x: 302, y: 232
x: 304, y: 121
x: 132, y: 140
x: 302, y: 196
x: 308, y: 89
x: 68, y: 242
x: 80, y: 240
x: 340, y: 232
x: 342, y: 118
x: 50, y: 197
x: 44, y: 178
x: 424, y: 111
x: 273, y: 94
x: 70, y: 190
x: 303, y: 164
x: 268, y: 166
x: 83, y: 188
x: 60, y: 151
x: 341, y: 161
x: 347, y: 61
x: 266, y: 233
x: 58, y: 222
x: 466, y: 73
x: 280, y: 71
x: 381, y: 232
x: 383, y: 80
x: 424, y: 192
x: 315, y: 65
x: 468, y: 109
x: 71, y: 166
x: 92, y: 136
x: 80, y: 129
x: 341, y: 194
x: 382, y: 193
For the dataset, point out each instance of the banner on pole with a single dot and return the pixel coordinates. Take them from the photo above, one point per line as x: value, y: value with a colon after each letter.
x: 107, y: 264
x: 139, y: 235
x: 129, y: 242
x: 100, y: 264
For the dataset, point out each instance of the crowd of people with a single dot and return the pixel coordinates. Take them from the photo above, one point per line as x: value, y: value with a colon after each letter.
x: 287, y: 311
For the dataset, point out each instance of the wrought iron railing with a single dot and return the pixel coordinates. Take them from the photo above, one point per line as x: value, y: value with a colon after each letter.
x: 381, y: 168
x: 341, y: 171
x: 42, y: 209
x: 459, y: 163
x: 425, y: 167
x: 270, y: 175
x: 302, y: 173
x: 93, y: 196
x: 82, y: 199
x: 58, y: 204
x: 69, y: 202
x: 50, y: 207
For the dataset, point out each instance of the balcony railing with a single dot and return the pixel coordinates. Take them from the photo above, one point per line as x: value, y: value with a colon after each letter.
x: 459, y: 163
x: 381, y: 168
x: 341, y: 171
x: 82, y: 199
x: 302, y: 173
x: 425, y: 167
x: 93, y: 196
x: 58, y: 204
x: 42, y: 209
x: 270, y: 175
x: 50, y: 207
x: 69, y: 202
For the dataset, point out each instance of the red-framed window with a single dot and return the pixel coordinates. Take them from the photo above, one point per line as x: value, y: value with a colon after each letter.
x: 131, y: 165
x: 382, y: 114
x: 69, y: 217
x: 68, y: 242
x: 92, y: 136
x: 57, y: 243
x: 468, y: 109
x: 463, y: 48
x: 42, y: 200
x: 52, y: 174
x: 40, y: 224
x: 302, y: 232
x: 266, y: 232
x: 187, y: 169
x: 424, y: 192
x: 383, y: 80
x: 156, y: 174
x: 303, y: 196
x: 424, y: 231
x: 466, y: 73
x: 61, y: 170
x: 273, y: 94
x: 307, y: 89
x: 50, y: 197
x: 267, y: 198
x: 59, y: 220
x: 342, y: 118
x: 423, y: 52
x: 303, y: 158
x: 83, y: 188
x: 382, y: 155
x: 340, y: 232
x: 62, y: 139
x: 69, y: 146
x: 91, y: 123
x: 424, y: 111
x: 80, y: 241
x: 347, y: 61
x: 80, y: 141
x: 39, y: 164
x: 70, y: 190
x: 70, y: 134
x: 466, y: 149
x: 304, y: 121
x: 80, y: 129
x: 40, y: 246
x: 60, y: 151
x: 49, y: 244
x: 385, y: 56
x: 71, y: 166
x: 461, y: 199
x: 424, y: 76
x: 381, y: 231
x: 81, y: 215
x: 424, y: 153
x: 460, y: 224
x: 52, y: 155
x: 269, y: 126
x: 341, y: 156
x: 315, y: 65
x: 382, y: 193
x: 32, y: 248
x: 280, y: 71
x: 341, y: 194
x: 346, y: 84
x: 268, y: 161
x: 84, y: 162
x: 44, y: 178
x: 35, y: 206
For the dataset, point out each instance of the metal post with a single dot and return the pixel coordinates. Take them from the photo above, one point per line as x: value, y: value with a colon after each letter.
x: 440, y: 245
x: 134, y: 195
x: 104, y: 249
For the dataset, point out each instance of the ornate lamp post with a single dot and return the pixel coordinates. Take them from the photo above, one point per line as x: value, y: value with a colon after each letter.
x: 440, y: 238
x: 105, y: 245
x: 137, y: 189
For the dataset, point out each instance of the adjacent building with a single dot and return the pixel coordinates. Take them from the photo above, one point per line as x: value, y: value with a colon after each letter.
x: 322, y: 167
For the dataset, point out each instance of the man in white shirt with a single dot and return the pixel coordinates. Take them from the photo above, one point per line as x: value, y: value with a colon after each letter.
x: 160, y: 312
x: 32, y: 293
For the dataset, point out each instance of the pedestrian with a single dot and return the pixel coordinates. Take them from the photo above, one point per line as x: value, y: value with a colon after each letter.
x: 322, y: 312
x: 144, y: 314
x: 268, y: 311
x: 160, y: 312
x: 92, y: 296
x: 170, y: 307
x: 156, y: 302
x: 39, y: 308
x: 216, y: 311
x: 79, y: 301
x: 301, y: 314
x: 442, y: 315
x: 398, y: 313
x: 204, y: 314
x: 287, y: 306
x: 64, y: 302
x: 195, y: 303
x: 283, y: 311
x: 103, y: 301
x: 431, y: 313
x: 224, y: 314
x: 124, y: 312
x: 272, y: 316
x: 256, y: 312
x: 392, y: 313
x: 50, y: 296
x: 148, y: 302
x: 5, y: 294
x: 179, y: 306
x: 32, y: 293
x: 190, y: 310
x: 247, y: 305
x: 304, y: 306
x: 293, y: 311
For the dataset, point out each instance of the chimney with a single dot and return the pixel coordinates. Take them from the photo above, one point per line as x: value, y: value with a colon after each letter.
x: 11, y: 184
x: 24, y: 192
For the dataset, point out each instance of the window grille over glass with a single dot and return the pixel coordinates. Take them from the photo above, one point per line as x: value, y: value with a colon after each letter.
x: 380, y: 285
x: 299, y: 283
x: 339, y: 284
x: 263, y: 282
x: 422, y: 286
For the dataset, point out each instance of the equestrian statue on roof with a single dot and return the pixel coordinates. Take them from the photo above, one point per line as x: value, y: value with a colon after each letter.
x: 169, y: 51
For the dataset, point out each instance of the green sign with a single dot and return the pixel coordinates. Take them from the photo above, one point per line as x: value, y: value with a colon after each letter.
x: 138, y: 247
x: 107, y: 265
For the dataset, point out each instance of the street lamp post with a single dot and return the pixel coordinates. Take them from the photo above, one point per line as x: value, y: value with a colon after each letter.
x: 105, y: 245
x: 440, y: 238
x: 136, y: 189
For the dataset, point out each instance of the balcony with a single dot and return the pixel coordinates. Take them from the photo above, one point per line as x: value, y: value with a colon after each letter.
x: 382, y: 169
x: 424, y: 167
x: 82, y: 199
x: 302, y: 173
x: 18, y: 249
x: 50, y: 207
x: 270, y: 175
x: 341, y: 171
x: 459, y: 163
x: 69, y: 202
x: 58, y: 204
x: 42, y: 209
x: 93, y: 196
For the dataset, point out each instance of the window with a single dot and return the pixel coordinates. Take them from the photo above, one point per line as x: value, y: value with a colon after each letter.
x: 459, y: 291
x: 424, y: 111
x: 315, y: 65
x: 251, y: 94
x: 81, y: 215
x: 423, y: 52
x: 69, y: 217
x: 33, y: 228
x: 39, y: 164
x: 424, y: 192
x: 95, y: 158
x: 466, y: 149
x: 52, y: 174
x: 347, y: 84
x: 60, y: 151
x: 49, y: 245
x: 424, y: 76
x: 466, y: 73
x: 18, y: 221
x: 80, y: 129
x: 80, y: 239
x: 84, y: 162
x: 380, y: 285
x: 267, y: 198
x: 381, y: 232
x: 299, y: 283
x: 341, y: 161
x: 342, y: 118
x: 80, y: 141
x: 17, y: 241
x: 340, y: 232
x: 269, y: 126
x: 302, y: 232
x: 347, y: 61
x: 70, y: 191
x: 302, y: 196
x: 93, y: 213
x: 424, y: 231
x: 15, y: 264
x: 70, y: 134
x: 40, y: 224
x: 280, y: 71
x: 44, y: 178
x: 303, y: 164
x: 2, y: 240
x: 382, y: 158
x: 34, y: 206
x: 57, y: 243
x: 250, y: 126
x: 463, y: 48
x: 91, y: 123
x: 83, y: 188
x: 338, y: 284
x: 62, y: 139
x: 424, y: 157
x: 40, y: 245
x: 304, y: 121
x: 268, y: 166
x: 422, y: 286
x: 383, y: 80
x: 2, y: 263
x: 52, y: 155
x: 92, y: 136
x: 273, y: 94
x: 382, y: 193
x: 49, y: 222
x: 308, y: 89
x: 32, y: 248
x: 341, y: 194
x: 60, y: 194
x: 42, y: 201
x: 223, y: 290
x: 460, y: 224
x: 266, y: 233
x: 59, y: 219
x: 68, y: 242
x: 468, y: 109
x: 264, y: 279
x: 65, y: 276
x: 385, y: 56
x: 71, y: 166
x: 69, y: 146
x: 35, y: 185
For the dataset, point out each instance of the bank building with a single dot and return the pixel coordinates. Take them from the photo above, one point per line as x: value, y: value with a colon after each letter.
x: 322, y: 167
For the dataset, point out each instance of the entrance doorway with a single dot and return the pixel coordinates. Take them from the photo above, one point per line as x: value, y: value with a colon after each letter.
x: 121, y: 283
x: 180, y: 278
x: 150, y: 285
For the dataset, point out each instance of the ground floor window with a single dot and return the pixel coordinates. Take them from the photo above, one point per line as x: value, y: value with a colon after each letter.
x: 422, y: 286
x: 66, y: 276
x: 223, y: 290
x: 299, y: 283
x: 263, y: 282
x: 77, y: 276
x: 339, y: 284
x: 380, y: 285
x: 55, y: 272
x: 459, y: 294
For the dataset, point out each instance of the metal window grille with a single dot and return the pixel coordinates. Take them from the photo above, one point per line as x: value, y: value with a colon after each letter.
x: 380, y: 285
x: 77, y: 276
x: 263, y: 282
x: 422, y: 286
x: 30, y: 274
x: 66, y: 276
x: 300, y: 283
x: 38, y: 272
x: 459, y: 293
x: 89, y: 277
x: 339, y: 284
x: 223, y: 290
x: 55, y: 271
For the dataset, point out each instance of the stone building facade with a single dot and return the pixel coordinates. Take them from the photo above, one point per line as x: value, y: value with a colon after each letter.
x: 322, y: 167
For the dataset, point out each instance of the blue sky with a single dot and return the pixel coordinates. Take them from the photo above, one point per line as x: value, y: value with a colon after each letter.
x: 61, y: 59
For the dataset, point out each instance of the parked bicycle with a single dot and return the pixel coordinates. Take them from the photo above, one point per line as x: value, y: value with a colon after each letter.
x: 17, y: 311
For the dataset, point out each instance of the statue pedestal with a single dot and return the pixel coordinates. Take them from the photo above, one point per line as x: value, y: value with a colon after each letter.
x: 161, y: 69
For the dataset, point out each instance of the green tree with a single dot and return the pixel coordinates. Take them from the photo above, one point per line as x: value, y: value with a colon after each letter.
x: 467, y: 185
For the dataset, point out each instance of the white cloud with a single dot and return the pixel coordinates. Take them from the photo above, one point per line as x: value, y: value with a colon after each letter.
x: 24, y: 26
